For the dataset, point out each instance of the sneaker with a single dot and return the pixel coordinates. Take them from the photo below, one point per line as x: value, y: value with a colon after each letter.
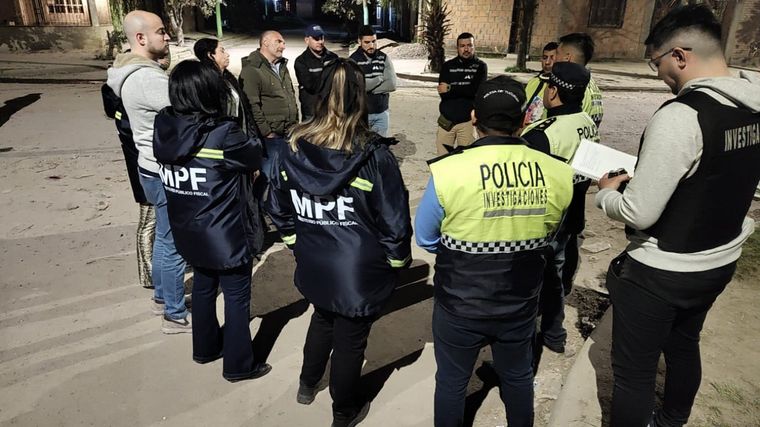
x: 345, y: 420
x: 260, y: 370
x: 176, y: 326
x: 306, y: 394
x: 157, y: 307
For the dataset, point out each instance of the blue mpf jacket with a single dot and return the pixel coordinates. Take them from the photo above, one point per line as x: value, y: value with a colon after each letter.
x: 206, y: 167
x: 347, y: 219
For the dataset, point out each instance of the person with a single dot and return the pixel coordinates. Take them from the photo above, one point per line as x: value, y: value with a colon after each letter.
x: 457, y: 83
x: 340, y: 193
x: 207, y: 166
x: 560, y: 135
x: 142, y: 85
x: 309, y: 66
x: 380, y: 79
x: 265, y: 79
x: 211, y: 51
x: 685, y: 211
x: 488, y: 213
x: 146, y: 224
x: 579, y: 48
x: 534, y: 89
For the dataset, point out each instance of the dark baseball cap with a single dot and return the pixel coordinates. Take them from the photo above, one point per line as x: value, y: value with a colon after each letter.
x: 570, y: 76
x: 499, y: 102
x: 314, y: 31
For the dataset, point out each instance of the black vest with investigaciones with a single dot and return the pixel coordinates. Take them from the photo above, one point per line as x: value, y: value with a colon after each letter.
x: 373, y: 66
x: 708, y: 208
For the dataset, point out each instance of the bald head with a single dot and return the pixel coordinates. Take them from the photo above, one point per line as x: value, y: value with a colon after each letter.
x: 271, y: 45
x: 146, y: 34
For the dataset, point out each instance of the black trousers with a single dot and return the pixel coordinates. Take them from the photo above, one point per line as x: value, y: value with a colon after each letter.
x: 234, y: 340
x: 346, y: 338
x: 552, y: 296
x: 457, y: 342
x: 655, y: 312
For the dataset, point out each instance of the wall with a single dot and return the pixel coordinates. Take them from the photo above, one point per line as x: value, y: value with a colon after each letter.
x: 743, y: 42
x: 488, y: 20
x: 63, y: 38
x: 8, y: 13
x: 555, y: 18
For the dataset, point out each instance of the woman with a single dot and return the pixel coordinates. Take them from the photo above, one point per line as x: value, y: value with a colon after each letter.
x: 210, y: 51
x: 207, y: 166
x: 339, y: 189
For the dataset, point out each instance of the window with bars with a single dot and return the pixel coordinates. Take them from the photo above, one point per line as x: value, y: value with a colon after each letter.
x: 606, y: 13
x: 65, y: 6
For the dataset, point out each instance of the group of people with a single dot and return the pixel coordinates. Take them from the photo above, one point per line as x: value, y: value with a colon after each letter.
x: 503, y: 211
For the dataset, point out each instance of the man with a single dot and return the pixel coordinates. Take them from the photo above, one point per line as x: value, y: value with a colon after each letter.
x: 489, y: 211
x: 379, y: 78
x: 309, y: 66
x: 579, y: 48
x: 685, y: 215
x: 457, y: 84
x: 139, y: 81
x: 266, y: 82
x: 560, y: 135
x: 534, y: 89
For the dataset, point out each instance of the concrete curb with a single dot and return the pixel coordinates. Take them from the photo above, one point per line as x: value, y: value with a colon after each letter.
x: 578, y: 403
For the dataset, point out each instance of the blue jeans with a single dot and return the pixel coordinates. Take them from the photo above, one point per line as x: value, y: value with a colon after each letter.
x: 457, y: 342
x: 168, y: 265
x: 234, y: 339
x: 379, y: 122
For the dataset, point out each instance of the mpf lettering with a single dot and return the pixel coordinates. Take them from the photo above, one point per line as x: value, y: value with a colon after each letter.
x: 314, y: 207
x: 174, y: 176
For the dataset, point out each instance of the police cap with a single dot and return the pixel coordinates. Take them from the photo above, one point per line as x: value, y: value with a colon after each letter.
x: 570, y: 76
x: 498, y: 103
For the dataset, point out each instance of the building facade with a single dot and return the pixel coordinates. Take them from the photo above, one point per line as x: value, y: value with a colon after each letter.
x: 49, y: 24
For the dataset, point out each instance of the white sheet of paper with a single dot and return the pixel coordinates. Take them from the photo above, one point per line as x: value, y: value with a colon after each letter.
x: 593, y: 160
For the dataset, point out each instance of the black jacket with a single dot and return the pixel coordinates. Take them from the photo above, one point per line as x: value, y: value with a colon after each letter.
x: 206, y: 167
x: 347, y: 218
x: 464, y: 77
x: 114, y: 109
x: 309, y: 75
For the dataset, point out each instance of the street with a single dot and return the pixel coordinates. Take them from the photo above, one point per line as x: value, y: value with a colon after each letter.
x: 78, y: 344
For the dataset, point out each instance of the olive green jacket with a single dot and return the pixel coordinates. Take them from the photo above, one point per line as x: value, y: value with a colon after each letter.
x: 272, y: 97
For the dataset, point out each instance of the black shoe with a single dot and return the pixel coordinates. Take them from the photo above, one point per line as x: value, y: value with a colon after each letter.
x: 306, y: 394
x: 557, y: 348
x: 260, y: 370
x: 350, y: 420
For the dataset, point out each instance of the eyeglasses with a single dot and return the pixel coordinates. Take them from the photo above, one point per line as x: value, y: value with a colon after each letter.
x: 654, y: 63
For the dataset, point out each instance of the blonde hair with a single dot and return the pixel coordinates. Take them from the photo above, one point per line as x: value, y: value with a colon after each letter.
x: 340, y: 115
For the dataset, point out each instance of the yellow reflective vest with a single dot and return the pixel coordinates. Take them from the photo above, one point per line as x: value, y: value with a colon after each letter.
x: 565, y: 133
x: 500, y: 196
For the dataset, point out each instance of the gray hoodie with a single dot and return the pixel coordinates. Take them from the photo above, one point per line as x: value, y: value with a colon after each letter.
x: 671, y: 152
x: 144, y: 89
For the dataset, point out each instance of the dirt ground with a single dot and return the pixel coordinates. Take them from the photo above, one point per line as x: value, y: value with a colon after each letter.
x: 72, y: 309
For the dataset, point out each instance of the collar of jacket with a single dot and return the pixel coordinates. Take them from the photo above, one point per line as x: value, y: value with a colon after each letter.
x: 466, y: 61
x: 486, y: 140
x: 257, y: 59
x: 564, y: 109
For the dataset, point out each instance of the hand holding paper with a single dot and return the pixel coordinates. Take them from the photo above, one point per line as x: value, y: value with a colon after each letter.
x: 594, y: 160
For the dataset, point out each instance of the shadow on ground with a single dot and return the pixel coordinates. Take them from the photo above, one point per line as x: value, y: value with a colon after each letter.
x: 15, y: 105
